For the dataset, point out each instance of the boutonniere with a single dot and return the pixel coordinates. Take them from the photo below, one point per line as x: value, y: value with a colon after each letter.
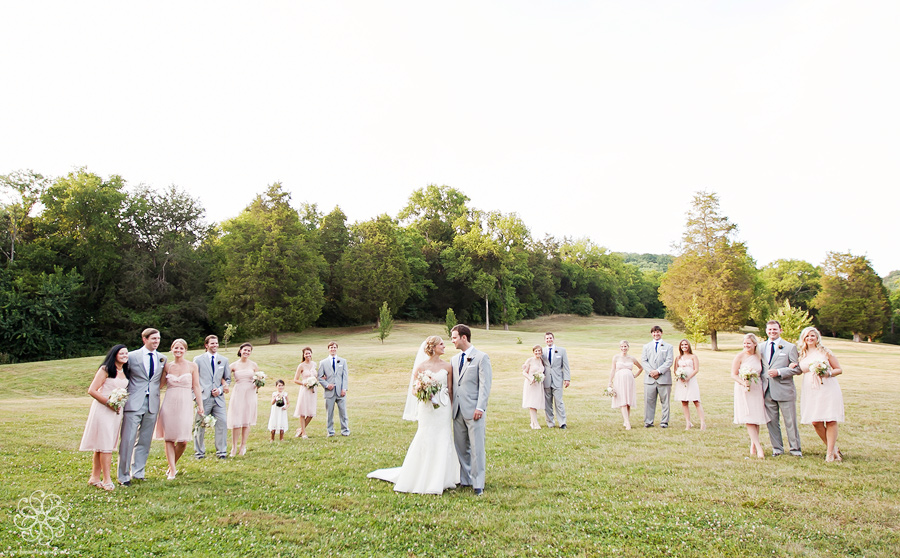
x: 162, y: 359
x: 469, y: 359
x: 338, y: 361
x: 555, y: 351
x: 780, y: 347
x: 218, y: 362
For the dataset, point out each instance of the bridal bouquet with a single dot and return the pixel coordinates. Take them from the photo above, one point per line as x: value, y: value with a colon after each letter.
x: 259, y: 378
x: 428, y: 388
x: 681, y: 374
x: 117, y: 399
x: 821, y: 369
x: 748, y: 375
x: 310, y: 382
x: 203, y: 422
x: 537, y: 378
x: 609, y: 392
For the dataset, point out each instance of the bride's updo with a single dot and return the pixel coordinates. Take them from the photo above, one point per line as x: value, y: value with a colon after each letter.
x: 431, y: 343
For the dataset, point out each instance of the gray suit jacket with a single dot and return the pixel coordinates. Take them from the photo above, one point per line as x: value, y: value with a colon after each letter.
x: 139, y: 381
x: 333, y: 375
x: 210, y: 378
x: 781, y: 388
x: 658, y: 359
x: 557, y: 372
x: 472, y: 384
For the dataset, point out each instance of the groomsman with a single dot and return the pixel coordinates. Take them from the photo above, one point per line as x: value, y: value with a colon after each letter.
x: 214, y: 378
x: 657, y: 359
x: 777, y: 381
x: 332, y: 376
x: 472, y: 386
x: 145, y: 367
x: 556, y: 377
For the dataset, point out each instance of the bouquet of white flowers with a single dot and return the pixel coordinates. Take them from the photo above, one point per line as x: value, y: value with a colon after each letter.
x: 117, y: 399
x: 203, y: 421
x: 427, y: 388
x: 821, y: 369
x: 259, y: 378
x: 537, y: 378
x: 681, y: 374
x: 609, y: 392
x: 748, y: 375
x: 310, y: 382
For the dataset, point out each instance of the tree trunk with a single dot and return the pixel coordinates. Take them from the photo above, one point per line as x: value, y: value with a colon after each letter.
x: 487, y: 316
x: 273, y: 337
x: 506, y: 326
x: 856, y: 337
x: 714, y: 340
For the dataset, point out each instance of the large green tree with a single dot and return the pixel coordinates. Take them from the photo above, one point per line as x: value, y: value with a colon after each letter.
x: 269, y: 279
x: 21, y: 191
x: 712, y: 269
x: 333, y: 240
x: 853, y: 298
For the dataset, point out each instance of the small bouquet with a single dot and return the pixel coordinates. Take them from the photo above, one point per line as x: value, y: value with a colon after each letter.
x: 203, y: 422
x: 537, y: 378
x: 428, y: 388
x: 259, y: 378
x: 609, y: 392
x: 748, y: 375
x: 681, y: 374
x: 279, y: 399
x: 310, y: 382
x: 117, y: 399
x: 821, y: 369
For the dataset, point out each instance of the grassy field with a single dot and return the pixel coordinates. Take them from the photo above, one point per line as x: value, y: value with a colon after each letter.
x: 591, y: 490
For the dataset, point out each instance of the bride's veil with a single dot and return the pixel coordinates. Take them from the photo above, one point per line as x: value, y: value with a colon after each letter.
x: 410, y: 412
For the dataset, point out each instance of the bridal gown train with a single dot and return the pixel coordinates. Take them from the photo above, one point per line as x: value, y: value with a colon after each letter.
x: 431, y: 465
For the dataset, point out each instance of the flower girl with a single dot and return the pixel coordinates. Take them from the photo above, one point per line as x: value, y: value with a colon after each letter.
x: 278, y: 419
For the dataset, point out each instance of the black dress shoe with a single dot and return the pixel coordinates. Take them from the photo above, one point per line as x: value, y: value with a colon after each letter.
x: 478, y: 491
x: 663, y: 425
x: 562, y: 426
x: 126, y: 483
x: 648, y: 426
x: 222, y: 456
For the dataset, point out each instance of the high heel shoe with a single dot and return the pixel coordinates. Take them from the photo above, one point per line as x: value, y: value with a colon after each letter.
x: 171, y: 475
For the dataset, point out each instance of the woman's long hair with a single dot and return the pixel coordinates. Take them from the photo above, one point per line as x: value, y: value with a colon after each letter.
x: 109, y: 363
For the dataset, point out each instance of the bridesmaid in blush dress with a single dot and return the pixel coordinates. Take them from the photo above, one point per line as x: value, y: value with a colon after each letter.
x: 749, y: 406
x: 822, y: 404
x: 688, y: 390
x: 306, y: 399
x: 176, y: 413
x: 533, y: 392
x: 621, y: 381
x: 243, y: 406
x: 101, y: 433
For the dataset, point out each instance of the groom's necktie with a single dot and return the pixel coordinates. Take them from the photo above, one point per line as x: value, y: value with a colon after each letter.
x: 771, y: 351
x: 152, y: 358
x: 334, y: 363
x: 550, y: 355
x: 462, y: 359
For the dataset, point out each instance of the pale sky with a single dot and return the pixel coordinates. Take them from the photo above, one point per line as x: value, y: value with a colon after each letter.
x: 588, y: 119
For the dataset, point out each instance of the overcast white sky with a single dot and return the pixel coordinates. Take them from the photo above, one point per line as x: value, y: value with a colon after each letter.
x: 596, y: 119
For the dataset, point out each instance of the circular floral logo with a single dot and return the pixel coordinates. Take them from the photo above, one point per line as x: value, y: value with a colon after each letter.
x: 41, y: 517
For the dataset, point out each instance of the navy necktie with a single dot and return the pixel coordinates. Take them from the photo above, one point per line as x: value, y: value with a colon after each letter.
x: 334, y: 364
x: 212, y: 364
x: 656, y: 350
x: 152, y: 358
x: 462, y: 359
x: 550, y: 355
x: 771, y: 351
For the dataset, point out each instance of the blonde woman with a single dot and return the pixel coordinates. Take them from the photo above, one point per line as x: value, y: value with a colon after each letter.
x: 749, y: 405
x: 176, y: 413
x: 533, y: 391
x: 621, y: 381
x: 822, y: 404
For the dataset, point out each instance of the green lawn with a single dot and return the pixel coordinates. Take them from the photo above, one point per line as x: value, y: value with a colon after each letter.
x: 591, y: 490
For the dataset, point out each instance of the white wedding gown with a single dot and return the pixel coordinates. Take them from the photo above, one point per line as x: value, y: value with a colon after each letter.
x: 431, y: 465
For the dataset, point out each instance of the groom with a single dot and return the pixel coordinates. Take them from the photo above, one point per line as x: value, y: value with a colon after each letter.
x: 214, y: 377
x: 657, y: 358
x: 471, y: 387
x: 146, y: 368
x: 777, y: 381
x: 333, y: 375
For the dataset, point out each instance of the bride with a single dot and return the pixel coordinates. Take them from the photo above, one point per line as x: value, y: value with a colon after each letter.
x: 431, y: 465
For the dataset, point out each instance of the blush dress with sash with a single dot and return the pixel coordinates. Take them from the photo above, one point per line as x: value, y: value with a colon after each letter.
x: 242, y: 408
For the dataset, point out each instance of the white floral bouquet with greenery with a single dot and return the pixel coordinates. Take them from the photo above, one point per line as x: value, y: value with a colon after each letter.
x: 609, y: 392
x: 310, y: 382
x: 748, y: 375
x: 428, y: 388
x: 117, y: 399
x: 259, y: 378
x: 681, y: 374
x: 203, y: 422
x: 821, y: 369
x: 537, y: 378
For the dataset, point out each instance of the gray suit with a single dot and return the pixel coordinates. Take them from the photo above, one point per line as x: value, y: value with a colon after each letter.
x: 335, y: 373
x: 140, y: 414
x: 779, y: 393
x: 211, y: 378
x: 471, y: 388
x: 659, y: 358
x: 556, y: 372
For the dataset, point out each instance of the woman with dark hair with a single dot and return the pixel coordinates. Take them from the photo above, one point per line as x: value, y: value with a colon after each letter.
x: 687, y: 389
x: 306, y: 399
x: 101, y: 433
x: 243, y: 406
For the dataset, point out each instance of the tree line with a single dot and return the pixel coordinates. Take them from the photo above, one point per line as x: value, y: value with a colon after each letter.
x: 88, y: 261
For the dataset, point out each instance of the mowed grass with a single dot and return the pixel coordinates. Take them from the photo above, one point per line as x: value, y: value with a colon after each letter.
x: 591, y: 490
